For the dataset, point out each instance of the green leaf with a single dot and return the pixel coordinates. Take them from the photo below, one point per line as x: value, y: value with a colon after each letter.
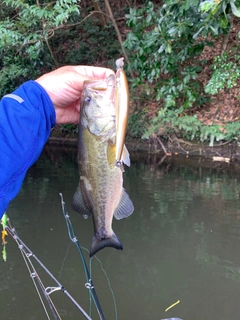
x: 169, y: 48
x: 205, y: 6
x: 149, y: 18
x: 223, y: 22
x: 195, y: 35
x: 235, y: 10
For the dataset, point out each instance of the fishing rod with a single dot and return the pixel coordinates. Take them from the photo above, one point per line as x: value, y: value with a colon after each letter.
x: 27, y: 254
x: 89, y: 285
x: 34, y: 275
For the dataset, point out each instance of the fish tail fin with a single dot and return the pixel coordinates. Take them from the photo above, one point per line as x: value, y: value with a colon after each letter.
x: 98, y: 244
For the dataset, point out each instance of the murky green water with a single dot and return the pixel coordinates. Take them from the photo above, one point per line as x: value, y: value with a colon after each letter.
x: 181, y: 243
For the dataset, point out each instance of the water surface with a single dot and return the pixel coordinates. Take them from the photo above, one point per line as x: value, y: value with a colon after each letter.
x: 181, y: 243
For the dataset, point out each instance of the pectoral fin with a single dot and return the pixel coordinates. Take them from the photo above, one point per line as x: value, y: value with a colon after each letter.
x: 125, y: 207
x: 78, y: 204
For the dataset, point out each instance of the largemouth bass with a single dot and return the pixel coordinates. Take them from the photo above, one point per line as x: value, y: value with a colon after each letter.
x: 100, y: 191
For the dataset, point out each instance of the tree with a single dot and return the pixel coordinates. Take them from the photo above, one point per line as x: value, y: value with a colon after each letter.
x: 25, y: 34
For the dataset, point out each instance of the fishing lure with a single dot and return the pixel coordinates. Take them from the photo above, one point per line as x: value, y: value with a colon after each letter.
x: 122, y: 109
x: 4, y: 234
x: 4, y: 220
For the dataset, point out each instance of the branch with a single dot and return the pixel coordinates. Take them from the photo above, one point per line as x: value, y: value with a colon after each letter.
x: 161, y: 144
x: 118, y: 33
x: 46, y: 38
x: 77, y: 23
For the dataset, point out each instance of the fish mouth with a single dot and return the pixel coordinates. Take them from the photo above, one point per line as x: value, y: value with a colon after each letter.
x: 101, y: 85
x: 104, y: 88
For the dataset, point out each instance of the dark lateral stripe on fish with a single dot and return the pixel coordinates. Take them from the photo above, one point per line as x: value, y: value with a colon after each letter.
x: 98, y: 244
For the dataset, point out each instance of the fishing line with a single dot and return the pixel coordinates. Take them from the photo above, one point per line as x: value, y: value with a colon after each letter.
x: 63, y: 262
x: 89, y: 285
x: 90, y: 298
x: 109, y: 285
x: 47, y: 291
x: 106, y: 276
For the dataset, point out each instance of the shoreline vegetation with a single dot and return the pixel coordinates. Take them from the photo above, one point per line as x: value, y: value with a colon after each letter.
x: 181, y: 59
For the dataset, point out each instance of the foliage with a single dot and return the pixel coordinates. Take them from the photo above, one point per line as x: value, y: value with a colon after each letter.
x: 222, y: 7
x: 164, y: 41
x: 69, y: 128
x: 226, y: 69
x: 225, y: 73
x: 90, y: 37
x: 190, y: 128
x: 25, y: 34
x: 164, y: 44
x: 138, y: 123
x: 37, y: 36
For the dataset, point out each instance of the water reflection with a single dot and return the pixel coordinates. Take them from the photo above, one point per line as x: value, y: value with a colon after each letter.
x: 181, y: 243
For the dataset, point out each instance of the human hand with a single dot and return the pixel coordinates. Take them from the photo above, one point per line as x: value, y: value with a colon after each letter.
x: 64, y: 87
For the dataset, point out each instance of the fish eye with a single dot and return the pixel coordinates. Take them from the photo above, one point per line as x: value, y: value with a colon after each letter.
x: 87, y: 99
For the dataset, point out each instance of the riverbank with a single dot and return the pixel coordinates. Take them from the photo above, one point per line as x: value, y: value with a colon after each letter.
x: 224, y: 152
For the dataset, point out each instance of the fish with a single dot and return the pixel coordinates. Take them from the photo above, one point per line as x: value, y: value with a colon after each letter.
x: 100, y: 191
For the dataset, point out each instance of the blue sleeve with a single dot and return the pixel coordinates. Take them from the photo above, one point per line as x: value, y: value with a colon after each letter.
x: 26, y: 118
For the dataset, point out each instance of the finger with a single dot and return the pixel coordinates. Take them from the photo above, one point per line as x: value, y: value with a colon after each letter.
x: 93, y: 72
